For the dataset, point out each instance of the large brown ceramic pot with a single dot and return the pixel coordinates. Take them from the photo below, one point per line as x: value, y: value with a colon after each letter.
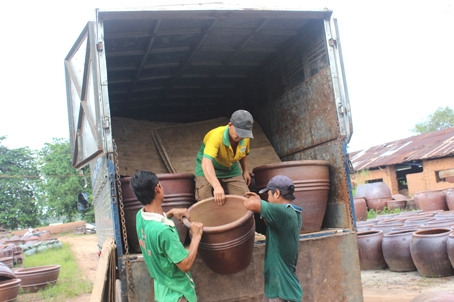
x: 37, y: 277
x: 370, y: 250
x: 429, y: 252
x: 396, y: 251
x: 416, y: 200
x: 311, y: 180
x: 178, y: 193
x: 450, y: 248
x: 450, y: 199
x: 9, y: 288
x: 228, y: 233
x: 377, y: 194
x: 396, y: 204
x: 433, y: 200
x: 360, y: 208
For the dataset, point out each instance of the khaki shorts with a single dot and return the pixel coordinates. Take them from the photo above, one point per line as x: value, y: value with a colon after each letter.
x: 233, y: 186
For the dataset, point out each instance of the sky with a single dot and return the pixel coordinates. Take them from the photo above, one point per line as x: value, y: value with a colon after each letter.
x: 398, y: 58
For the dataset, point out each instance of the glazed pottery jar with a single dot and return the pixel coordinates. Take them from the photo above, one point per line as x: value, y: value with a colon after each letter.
x: 370, y: 250
x: 450, y: 248
x: 450, y: 199
x: 433, y: 200
x: 312, y: 185
x: 178, y: 193
x: 429, y: 252
x: 360, y: 208
x: 37, y: 277
x: 396, y: 250
x: 396, y: 204
x: 228, y: 233
x: 432, y: 296
x: 376, y: 194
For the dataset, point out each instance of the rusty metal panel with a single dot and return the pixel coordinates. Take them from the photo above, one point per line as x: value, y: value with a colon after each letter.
x: 328, y: 270
x: 431, y: 145
x: 304, y: 117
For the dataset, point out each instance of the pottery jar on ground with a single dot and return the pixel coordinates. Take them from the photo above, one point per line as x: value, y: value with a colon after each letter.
x: 396, y: 204
x: 376, y: 194
x: 433, y: 200
x: 450, y: 199
x: 396, y: 250
x: 429, y: 252
x: 360, y: 208
x: 450, y: 248
x: 370, y: 250
x: 416, y: 200
x: 432, y: 296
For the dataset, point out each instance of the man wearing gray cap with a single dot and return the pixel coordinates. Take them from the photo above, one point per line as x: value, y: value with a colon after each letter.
x: 217, y: 165
x: 283, y: 220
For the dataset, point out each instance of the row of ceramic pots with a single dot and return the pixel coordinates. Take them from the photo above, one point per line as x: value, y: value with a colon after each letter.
x: 398, y: 201
x: 29, y: 279
x: 429, y: 251
x: 435, y: 200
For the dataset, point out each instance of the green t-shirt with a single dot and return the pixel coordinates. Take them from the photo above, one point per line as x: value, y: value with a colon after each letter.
x: 281, y: 251
x: 161, y: 249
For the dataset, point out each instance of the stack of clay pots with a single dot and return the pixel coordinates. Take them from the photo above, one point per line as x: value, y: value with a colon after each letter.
x: 377, y: 194
x: 416, y: 240
x: 9, y: 284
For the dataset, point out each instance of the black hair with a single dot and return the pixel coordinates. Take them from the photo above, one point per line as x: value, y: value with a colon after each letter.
x: 143, y: 184
x: 288, y: 194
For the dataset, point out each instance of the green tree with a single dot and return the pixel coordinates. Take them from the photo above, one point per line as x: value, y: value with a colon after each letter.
x: 61, y: 182
x: 442, y: 118
x: 18, y: 180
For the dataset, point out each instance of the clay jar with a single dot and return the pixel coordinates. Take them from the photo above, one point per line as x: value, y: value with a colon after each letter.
x: 396, y: 251
x: 429, y: 252
x: 396, y: 204
x: 433, y: 200
x: 450, y: 248
x: 9, y: 289
x: 228, y: 233
x: 376, y: 194
x: 450, y: 199
x: 360, y: 208
x: 370, y: 250
x: 37, y: 277
x: 312, y: 184
x: 178, y: 193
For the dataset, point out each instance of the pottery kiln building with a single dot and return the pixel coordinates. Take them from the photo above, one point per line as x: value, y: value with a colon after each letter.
x: 410, y: 165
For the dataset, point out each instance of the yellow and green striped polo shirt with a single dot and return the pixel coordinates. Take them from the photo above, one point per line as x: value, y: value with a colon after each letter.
x: 216, y: 146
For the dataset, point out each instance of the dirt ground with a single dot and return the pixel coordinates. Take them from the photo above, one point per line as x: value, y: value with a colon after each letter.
x: 378, y: 286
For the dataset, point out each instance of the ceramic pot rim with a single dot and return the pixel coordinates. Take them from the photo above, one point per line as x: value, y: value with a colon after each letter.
x: 36, y: 269
x: 400, y: 233
x: 10, y: 282
x: 369, y: 233
x: 441, y: 232
x: 224, y: 227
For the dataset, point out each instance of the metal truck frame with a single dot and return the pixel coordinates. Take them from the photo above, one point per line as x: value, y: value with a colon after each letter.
x: 187, y: 64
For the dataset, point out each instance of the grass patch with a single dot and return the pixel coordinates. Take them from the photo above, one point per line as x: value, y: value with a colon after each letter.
x: 70, y: 283
x: 371, y: 214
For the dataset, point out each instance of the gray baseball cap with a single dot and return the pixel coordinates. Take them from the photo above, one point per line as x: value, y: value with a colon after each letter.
x: 242, y: 121
x: 282, y: 183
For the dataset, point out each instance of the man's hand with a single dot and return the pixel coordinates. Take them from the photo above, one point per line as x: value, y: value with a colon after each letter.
x: 196, y: 229
x: 247, y: 177
x: 219, y: 195
x: 179, y: 213
x: 252, y: 202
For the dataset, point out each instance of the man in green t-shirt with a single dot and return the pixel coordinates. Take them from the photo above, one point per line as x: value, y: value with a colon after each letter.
x: 217, y: 160
x: 283, y: 221
x: 167, y: 260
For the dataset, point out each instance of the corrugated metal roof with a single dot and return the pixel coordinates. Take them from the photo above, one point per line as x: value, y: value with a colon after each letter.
x: 430, y: 145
